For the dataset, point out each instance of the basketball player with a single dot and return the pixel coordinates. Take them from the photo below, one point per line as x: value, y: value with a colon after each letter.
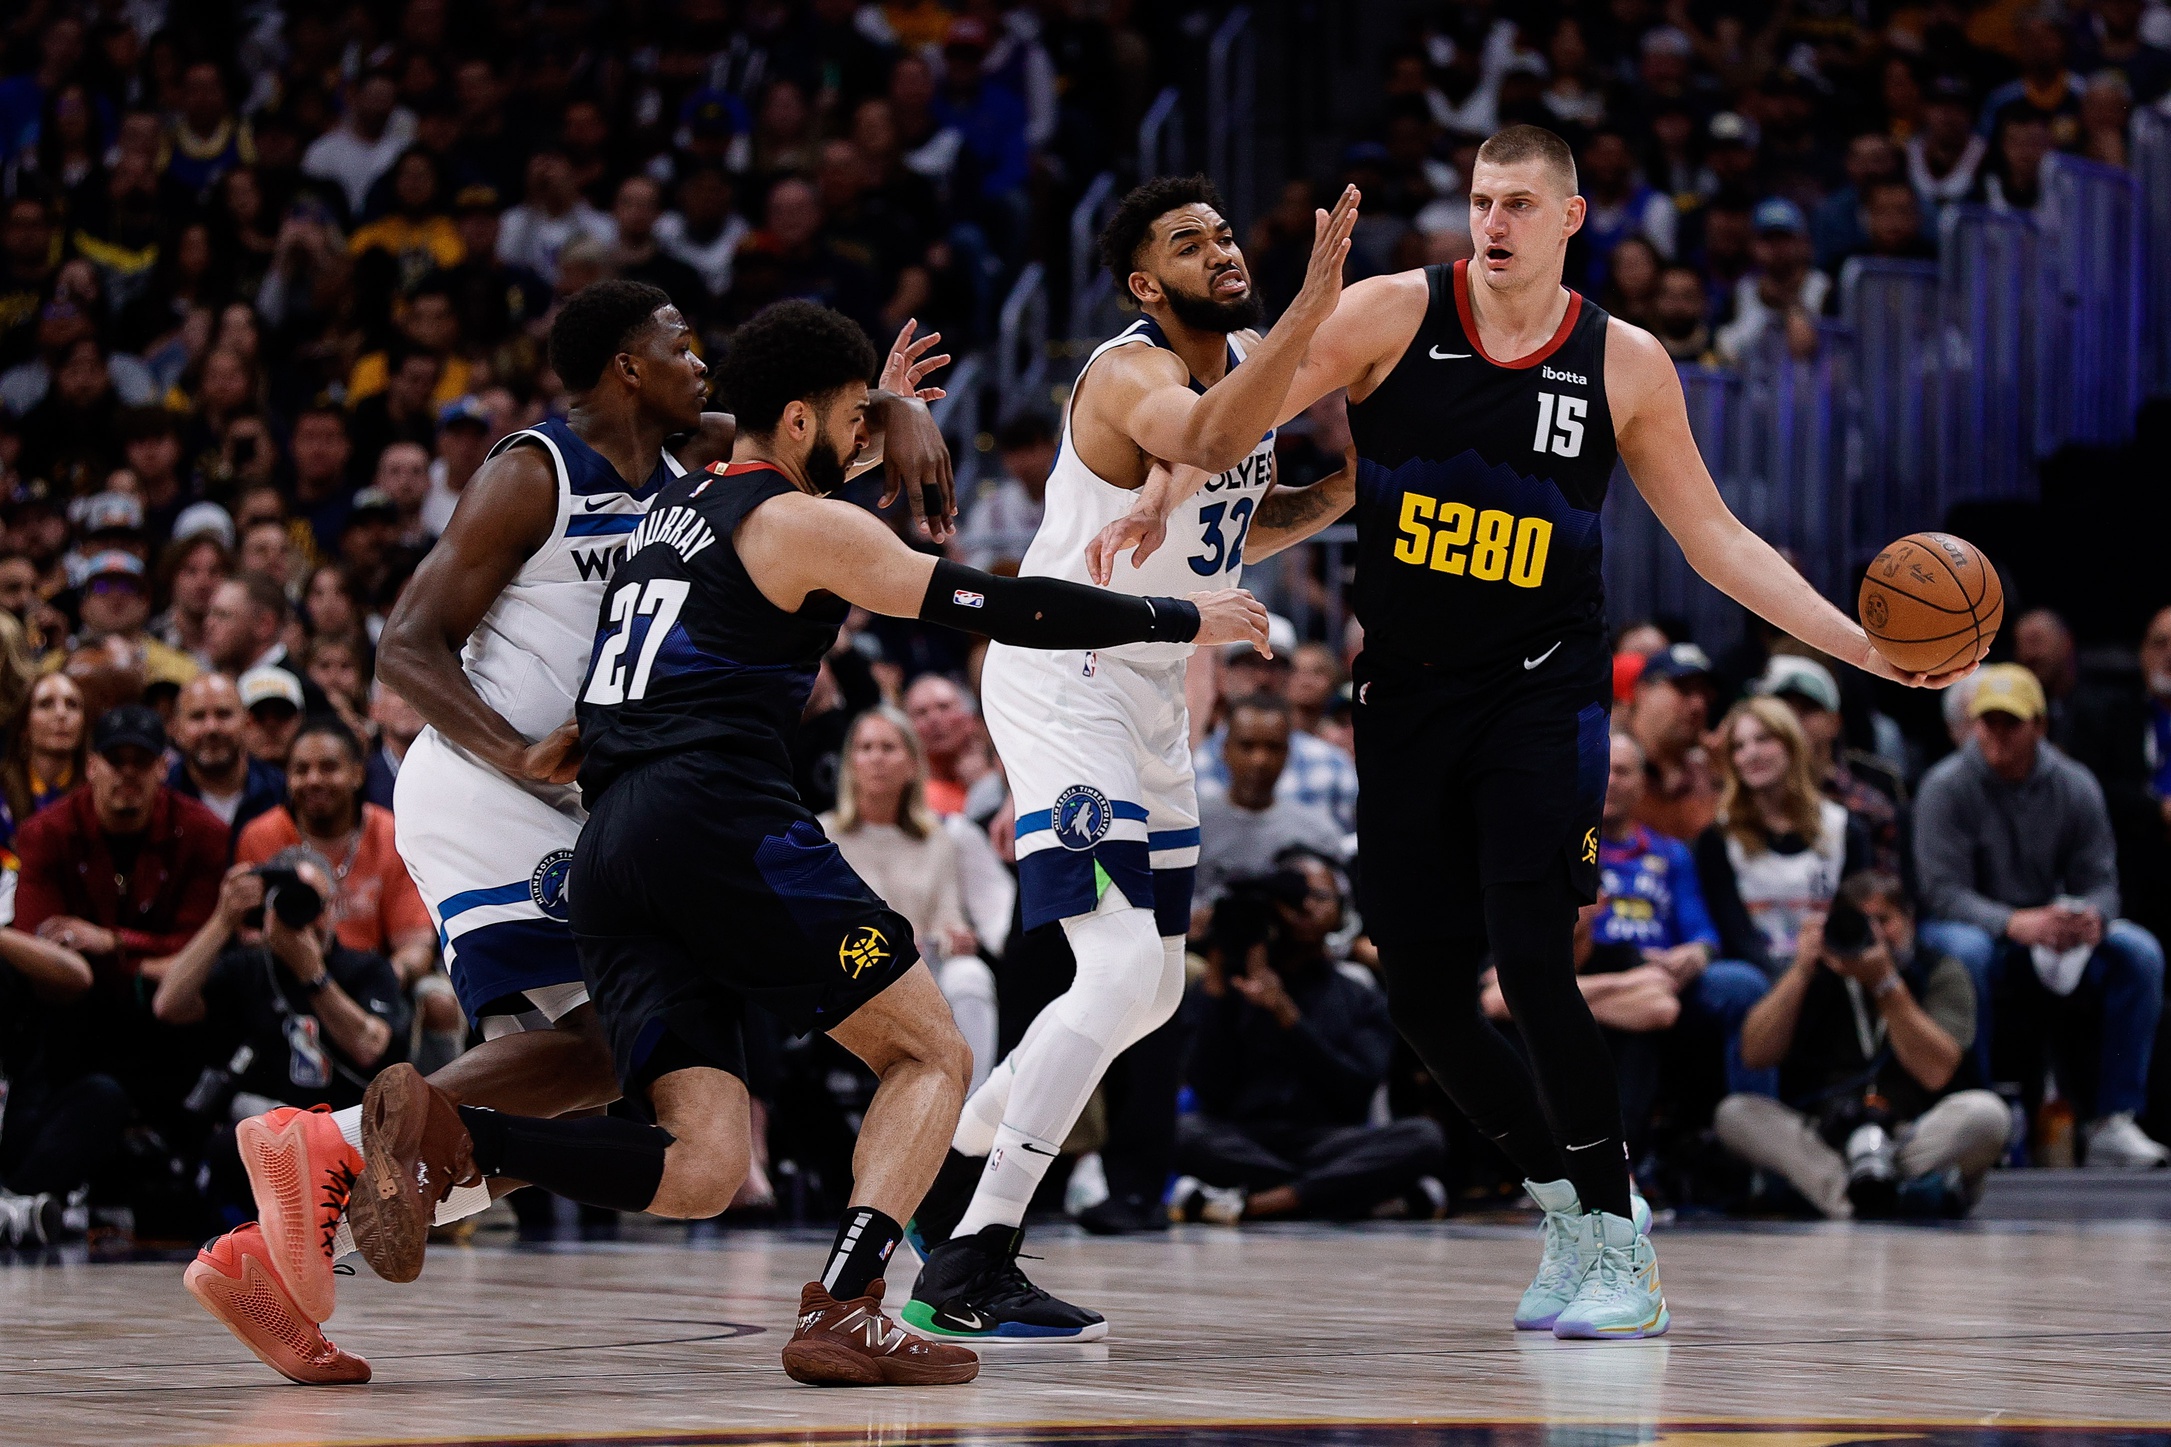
x: 1488, y: 404
x: 1096, y: 742
x: 489, y: 642
x: 702, y: 882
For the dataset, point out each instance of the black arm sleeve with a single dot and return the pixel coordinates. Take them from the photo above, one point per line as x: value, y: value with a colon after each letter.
x: 1050, y: 613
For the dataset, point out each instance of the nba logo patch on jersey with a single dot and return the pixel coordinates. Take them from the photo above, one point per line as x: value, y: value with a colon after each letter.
x: 547, y: 885
x: 1081, y: 817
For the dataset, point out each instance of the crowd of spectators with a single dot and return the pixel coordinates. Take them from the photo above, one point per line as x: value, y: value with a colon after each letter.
x: 273, y: 283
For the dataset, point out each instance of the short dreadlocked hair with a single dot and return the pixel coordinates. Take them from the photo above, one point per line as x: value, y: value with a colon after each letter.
x: 792, y: 351
x: 596, y: 325
x: 1135, y: 214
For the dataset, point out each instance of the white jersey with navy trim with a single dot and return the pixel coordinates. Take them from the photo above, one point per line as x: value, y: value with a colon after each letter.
x: 528, y: 656
x: 1205, y: 546
x: 490, y: 853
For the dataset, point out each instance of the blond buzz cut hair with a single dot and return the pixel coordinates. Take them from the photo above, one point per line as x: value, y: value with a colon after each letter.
x: 1517, y: 144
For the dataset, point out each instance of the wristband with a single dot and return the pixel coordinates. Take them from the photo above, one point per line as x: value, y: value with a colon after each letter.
x: 316, y: 986
x: 1886, y: 985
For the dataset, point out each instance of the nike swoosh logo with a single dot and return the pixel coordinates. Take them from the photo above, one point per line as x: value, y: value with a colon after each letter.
x: 1439, y: 356
x: 964, y: 1320
x: 601, y: 502
x: 1530, y: 663
x: 1036, y: 1150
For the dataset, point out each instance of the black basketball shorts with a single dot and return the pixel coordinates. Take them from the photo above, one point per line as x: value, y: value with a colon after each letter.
x: 694, y: 894
x: 1469, y: 780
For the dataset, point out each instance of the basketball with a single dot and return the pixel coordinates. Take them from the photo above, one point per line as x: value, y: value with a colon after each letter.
x: 1931, y: 603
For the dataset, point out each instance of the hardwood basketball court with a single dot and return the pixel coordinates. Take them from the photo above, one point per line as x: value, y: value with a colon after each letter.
x: 1784, y: 1336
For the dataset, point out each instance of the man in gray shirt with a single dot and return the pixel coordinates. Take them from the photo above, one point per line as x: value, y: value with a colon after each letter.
x: 2013, y: 847
x: 1242, y: 827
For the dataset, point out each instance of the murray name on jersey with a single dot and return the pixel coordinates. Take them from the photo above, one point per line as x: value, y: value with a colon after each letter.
x: 679, y: 526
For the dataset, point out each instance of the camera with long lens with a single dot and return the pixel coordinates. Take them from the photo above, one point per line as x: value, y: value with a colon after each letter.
x: 1249, y: 913
x: 287, y: 895
x: 1847, y: 932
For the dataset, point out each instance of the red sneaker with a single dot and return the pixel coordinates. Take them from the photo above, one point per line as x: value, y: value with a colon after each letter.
x: 234, y: 1279
x: 302, y: 1171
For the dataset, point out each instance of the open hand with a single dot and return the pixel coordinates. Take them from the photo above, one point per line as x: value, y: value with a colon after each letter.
x: 908, y: 362
x: 1232, y: 615
x: 918, y: 463
x: 1140, y: 532
x: 1322, y: 289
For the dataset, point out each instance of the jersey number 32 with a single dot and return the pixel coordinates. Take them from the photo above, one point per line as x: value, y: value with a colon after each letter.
x: 657, y: 600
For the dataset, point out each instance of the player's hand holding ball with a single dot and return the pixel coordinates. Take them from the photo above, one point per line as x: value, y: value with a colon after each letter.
x: 1931, y: 605
x: 1231, y: 615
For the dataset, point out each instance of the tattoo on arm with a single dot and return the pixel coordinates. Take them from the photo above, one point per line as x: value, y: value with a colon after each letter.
x: 1291, y: 507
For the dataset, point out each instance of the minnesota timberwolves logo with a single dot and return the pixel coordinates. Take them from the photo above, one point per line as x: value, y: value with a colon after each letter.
x: 1081, y: 817
x: 547, y: 885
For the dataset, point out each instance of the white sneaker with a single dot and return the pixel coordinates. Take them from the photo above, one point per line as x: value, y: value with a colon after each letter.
x: 1571, y: 1245
x: 2114, y: 1142
x: 1620, y: 1297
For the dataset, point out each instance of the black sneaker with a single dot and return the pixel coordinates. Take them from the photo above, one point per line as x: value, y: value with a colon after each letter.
x: 1123, y: 1216
x: 972, y: 1290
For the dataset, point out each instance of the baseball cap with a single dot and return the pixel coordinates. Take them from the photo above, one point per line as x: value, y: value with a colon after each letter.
x: 269, y: 684
x: 1678, y: 661
x: 373, y: 500
x: 710, y: 112
x: 1627, y: 672
x: 201, y: 519
x: 1730, y: 128
x: 107, y: 512
x: 464, y: 410
x: 2008, y: 688
x: 132, y: 725
x: 1777, y: 213
x: 111, y: 563
x: 478, y: 196
x: 1791, y: 673
x: 1281, y: 636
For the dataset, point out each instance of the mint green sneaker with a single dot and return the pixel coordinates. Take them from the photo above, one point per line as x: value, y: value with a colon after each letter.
x: 1571, y: 1245
x: 1619, y: 1297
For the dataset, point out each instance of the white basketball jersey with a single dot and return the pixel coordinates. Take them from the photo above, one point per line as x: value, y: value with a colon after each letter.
x: 1205, y: 544
x: 530, y: 652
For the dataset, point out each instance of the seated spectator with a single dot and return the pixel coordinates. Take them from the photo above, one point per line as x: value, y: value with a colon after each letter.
x: 1807, y: 687
x: 885, y: 831
x: 704, y: 232
x: 463, y: 444
x: 2020, y: 874
x: 1288, y: 1052
x: 63, y: 1123
x: 376, y: 907
x: 297, y: 1016
x: 2013, y: 178
x: 243, y: 631
x: 1315, y: 678
x: 50, y: 750
x: 1006, y: 510
x: 552, y: 215
x: 366, y: 144
x: 1784, y: 291
x: 1840, y: 223
x: 1893, y: 229
x: 338, y: 663
x: 1319, y: 775
x: 1779, y: 848
x: 123, y: 872
x: 416, y: 233
x: 639, y: 254
x: 114, y: 602
x: 429, y: 321
x: 947, y: 723
x: 1668, y: 710
x: 398, y: 726
x: 215, y: 767
x: 189, y: 572
x: 1944, y: 159
x: 1245, y: 824
x: 1869, y: 1031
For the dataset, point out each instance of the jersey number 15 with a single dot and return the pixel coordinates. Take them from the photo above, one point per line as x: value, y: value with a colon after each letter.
x: 1560, y: 425
x: 659, y: 600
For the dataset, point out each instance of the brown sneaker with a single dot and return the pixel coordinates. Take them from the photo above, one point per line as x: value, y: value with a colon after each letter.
x: 414, y: 1150
x: 852, y: 1344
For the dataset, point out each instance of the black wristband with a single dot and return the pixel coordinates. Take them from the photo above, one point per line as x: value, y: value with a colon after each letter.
x: 1051, y: 613
x: 316, y: 986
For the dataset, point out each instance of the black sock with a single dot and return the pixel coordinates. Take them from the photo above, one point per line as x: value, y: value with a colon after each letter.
x: 865, y: 1239
x: 596, y: 1160
x: 944, y: 1204
x: 1600, y: 1173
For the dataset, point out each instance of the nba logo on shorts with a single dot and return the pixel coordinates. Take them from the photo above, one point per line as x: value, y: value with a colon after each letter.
x: 1081, y: 817
x: 547, y: 885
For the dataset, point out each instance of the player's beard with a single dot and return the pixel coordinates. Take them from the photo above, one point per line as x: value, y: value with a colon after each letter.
x: 825, y: 467
x: 1204, y: 313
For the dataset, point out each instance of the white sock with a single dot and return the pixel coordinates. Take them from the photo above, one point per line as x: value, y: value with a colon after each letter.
x: 1121, y: 994
x: 349, y: 1122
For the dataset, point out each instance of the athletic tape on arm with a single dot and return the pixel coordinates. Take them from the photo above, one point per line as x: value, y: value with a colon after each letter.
x: 1050, y: 613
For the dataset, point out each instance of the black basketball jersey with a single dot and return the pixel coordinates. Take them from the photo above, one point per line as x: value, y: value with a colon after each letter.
x: 1479, y: 484
x: 688, y: 653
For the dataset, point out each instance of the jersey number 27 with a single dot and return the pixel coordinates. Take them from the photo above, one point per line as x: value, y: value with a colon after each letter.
x: 659, y: 600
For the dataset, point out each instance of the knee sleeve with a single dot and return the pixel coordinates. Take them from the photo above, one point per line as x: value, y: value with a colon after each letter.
x: 1122, y: 976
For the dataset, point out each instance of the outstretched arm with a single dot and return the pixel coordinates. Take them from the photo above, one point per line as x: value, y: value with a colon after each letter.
x: 1651, y: 421
x: 795, y: 545
x: 1144, y: 393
